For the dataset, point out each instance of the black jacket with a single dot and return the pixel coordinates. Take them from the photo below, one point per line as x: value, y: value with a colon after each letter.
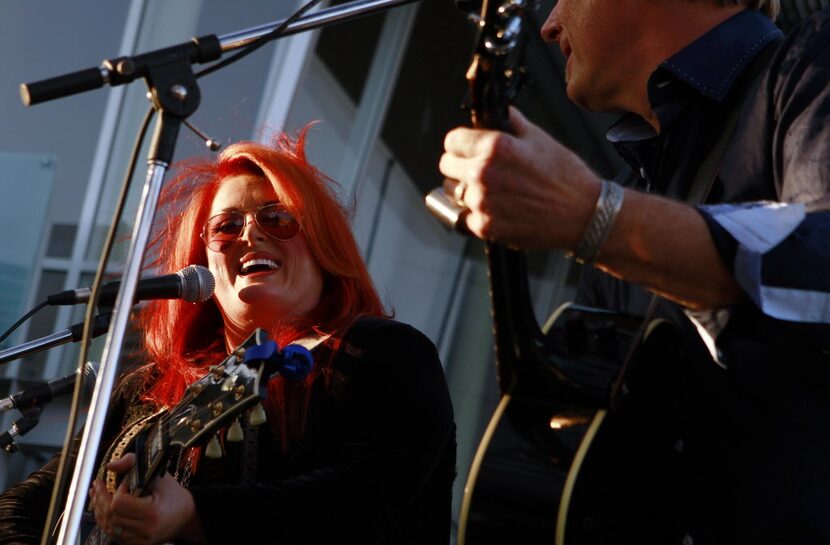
x: 375, y: 465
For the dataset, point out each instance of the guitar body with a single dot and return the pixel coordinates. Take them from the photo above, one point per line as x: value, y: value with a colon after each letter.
x: 552, y: 472
x: 618, y: 485
x: 514, y: 485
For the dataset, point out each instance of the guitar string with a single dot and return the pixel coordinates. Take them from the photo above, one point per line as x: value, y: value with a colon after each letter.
x: 185, y: 423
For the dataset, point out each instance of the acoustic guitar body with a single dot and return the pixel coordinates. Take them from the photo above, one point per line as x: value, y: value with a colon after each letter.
x: 553, y: 468
x: 514, y: 487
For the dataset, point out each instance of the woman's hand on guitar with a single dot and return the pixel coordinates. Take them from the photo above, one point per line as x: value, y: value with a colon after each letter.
x: 523, y: 189
x: 165, y: 514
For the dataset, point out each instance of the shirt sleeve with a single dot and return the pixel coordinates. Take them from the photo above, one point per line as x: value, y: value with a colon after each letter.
x: 18, y: 525
x: 779, y: 254
x: 392, y: 442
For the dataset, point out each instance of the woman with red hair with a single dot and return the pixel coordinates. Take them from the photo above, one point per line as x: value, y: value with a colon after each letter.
x: 360, y: 451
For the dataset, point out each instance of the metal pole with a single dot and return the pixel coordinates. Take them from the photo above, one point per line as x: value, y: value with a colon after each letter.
x: 82, y: 475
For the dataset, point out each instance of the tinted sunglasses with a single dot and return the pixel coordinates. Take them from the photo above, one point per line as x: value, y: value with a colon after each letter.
x: 273, y: 219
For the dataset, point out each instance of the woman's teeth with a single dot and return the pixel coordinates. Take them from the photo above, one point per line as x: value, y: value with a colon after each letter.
x: 259, y: 265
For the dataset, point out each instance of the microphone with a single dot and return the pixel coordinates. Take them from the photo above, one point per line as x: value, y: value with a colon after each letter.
x: 193, y: 284
x: 43, y: 393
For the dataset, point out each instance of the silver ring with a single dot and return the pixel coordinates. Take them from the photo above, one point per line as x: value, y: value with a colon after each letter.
x: 458, y: 193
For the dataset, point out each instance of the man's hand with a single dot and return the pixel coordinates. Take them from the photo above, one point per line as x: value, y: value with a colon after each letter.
x: 523, y: 189
x: 526, y: 190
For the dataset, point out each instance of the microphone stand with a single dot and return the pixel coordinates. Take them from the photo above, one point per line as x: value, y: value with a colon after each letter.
x: 175, y: 95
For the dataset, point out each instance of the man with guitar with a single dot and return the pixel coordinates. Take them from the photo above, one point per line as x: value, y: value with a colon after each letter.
x: 721, y: 212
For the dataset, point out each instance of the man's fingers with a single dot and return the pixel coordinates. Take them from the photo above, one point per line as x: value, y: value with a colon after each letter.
x: 474, y: 143
x: 449, y: 166
x: 480, y: 225
x: 450, y: 184
x: 470, y: 143
x: 518, y: 123
x: 457, y: 168
x: 460, y: 141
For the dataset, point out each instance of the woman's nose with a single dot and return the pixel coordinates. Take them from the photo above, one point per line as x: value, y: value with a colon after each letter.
x: 251, y: 231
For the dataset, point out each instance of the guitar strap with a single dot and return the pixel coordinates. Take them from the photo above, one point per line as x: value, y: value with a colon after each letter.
x: 705, y: 178
x: 250, y: 449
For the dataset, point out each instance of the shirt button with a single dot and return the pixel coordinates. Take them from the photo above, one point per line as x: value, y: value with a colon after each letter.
x: 687, y: 540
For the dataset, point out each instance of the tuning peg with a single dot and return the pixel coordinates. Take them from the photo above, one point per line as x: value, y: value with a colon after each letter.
x: 476, y: 19
x: 213, y: 450
x: 228, y: 384
x: 511, y: 7
x: 257, y: 415
x: 218, y: 371
x: 235, y: 434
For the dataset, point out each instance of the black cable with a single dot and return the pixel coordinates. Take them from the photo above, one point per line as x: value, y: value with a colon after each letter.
x: 259, y: 42
x: 110, y: 238
x: 67, y: 461
x: 23, y: 319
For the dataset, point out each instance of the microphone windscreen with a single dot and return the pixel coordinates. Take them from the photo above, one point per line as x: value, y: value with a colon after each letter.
x: 197, y: 283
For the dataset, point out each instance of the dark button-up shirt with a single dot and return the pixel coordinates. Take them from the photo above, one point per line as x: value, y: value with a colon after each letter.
x: 754, y: 467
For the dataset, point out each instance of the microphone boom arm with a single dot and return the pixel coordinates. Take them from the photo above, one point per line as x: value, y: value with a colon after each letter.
x: 71, y: 335
x: 198, y: 50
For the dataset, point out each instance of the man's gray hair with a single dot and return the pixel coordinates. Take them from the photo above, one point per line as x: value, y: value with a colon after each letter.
x: 770, y: 8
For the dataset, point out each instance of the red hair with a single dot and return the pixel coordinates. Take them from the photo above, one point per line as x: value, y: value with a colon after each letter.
x: 180, y: 339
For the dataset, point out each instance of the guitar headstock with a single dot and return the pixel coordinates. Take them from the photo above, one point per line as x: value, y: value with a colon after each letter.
x: 493, y: 79
x: 228, y: 389
x: 494, y: 75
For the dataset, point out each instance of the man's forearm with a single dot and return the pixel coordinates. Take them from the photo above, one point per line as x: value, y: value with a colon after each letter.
x: 666, y: 246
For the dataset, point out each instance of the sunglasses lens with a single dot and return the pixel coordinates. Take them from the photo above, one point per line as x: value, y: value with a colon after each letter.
x: 278, y: 222
x: 222, y: 229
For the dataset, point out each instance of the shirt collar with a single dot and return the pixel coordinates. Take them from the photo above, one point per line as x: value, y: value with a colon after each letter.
x: 709, y: 66
x: 713, y: 62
